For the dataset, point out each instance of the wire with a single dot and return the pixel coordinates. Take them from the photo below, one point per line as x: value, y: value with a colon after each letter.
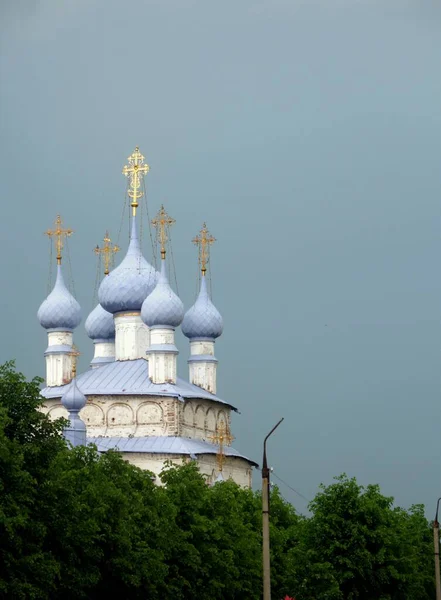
x: 290, y: 487
x: 144, y: 189
x: 97, y: 278
x: 71, y: 279
x: 210, y: 281
x: 122, y: 216
x: 172, y: 259
x: 49, y: 281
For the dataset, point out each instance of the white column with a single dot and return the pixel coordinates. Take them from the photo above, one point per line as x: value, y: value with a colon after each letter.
x: 104, y: 353
x: 132, y: 336
x: 162, y: 355
x: 203, y: 364
x: 59, y: 358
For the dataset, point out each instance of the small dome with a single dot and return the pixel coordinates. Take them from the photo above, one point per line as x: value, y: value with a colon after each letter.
x: 100, y: 325
x: 202, y: 320
x: 60, y: 310
x: 162, y: 306
x: 130, y: 283
x: 73, y: 399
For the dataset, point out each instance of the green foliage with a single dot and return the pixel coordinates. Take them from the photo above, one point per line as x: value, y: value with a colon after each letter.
x: 77, y: 524
x: 216, y: 554
x: 357, y: 546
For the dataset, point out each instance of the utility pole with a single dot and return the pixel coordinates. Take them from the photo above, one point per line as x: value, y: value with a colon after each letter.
x: 436, y: 548
x: 265, y: 520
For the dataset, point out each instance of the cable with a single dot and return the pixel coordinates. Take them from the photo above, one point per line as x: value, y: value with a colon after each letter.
x: 290, y: 487
x: 172, y: 260
x: 122, y: 216
x: 97, y: 278
x: 144, y: 189
x: 49, y: 281
x: 71, y: 279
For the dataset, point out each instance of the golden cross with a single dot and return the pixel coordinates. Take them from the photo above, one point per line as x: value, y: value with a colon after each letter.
x: 107, y: 251
x: 162, y: 222
x: 74, y: 354
x: 59, y: 233
x: 136, y: 169
x: 204, y: 241
x: 221, y: 438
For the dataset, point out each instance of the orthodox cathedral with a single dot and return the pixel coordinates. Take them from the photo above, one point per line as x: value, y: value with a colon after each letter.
x: 131, y: 398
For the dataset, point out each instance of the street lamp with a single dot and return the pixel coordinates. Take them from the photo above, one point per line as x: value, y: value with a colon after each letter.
x: 436, y: 545
x: 265, y: 520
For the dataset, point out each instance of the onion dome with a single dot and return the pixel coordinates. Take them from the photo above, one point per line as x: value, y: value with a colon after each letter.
x: 100, y: 325
x: 127, y: 286
x: 162, y: 307
x: 202, y: 320
x: 60, y: 310
x: 74, y: 400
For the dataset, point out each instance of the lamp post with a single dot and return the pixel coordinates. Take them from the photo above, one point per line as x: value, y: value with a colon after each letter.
x: 436, y: 548
x: 265, y: 520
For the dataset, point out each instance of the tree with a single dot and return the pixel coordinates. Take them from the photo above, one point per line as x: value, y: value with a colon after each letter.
x: 28, y: 443
x: 75, y: 523
x: 356, y: 545
x: 216, y: 554
x: 72, y: 522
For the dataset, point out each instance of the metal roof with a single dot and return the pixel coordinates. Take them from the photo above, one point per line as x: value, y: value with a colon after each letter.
x: 162, y: 445
x: 60, y: 310
x: 130, y: 377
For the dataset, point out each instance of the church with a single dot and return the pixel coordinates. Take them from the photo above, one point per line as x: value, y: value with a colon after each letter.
x: 131, y: 399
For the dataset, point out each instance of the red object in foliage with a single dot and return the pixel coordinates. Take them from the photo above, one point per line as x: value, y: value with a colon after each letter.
x: 288, y: 598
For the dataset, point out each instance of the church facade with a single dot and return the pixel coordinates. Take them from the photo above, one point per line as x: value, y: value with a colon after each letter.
x: 131, y: 397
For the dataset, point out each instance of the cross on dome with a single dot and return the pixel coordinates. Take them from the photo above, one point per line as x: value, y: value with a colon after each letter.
x: 204, y: 241
x: 59, y: 233
x: 162, y: 222
x: 221, y: 438
x: 75, y: 353
x: 107, y: 251
x: 99, y: 324
x: 135, y: 170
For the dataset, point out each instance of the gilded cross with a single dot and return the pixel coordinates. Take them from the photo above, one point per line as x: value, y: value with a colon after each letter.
x: 162, y: 222
x: 204, y: 241
x: 107, y: 251
x: 135, y: 170
x: 59, y: 233
x: 221, y: 438
x: 74, y: 354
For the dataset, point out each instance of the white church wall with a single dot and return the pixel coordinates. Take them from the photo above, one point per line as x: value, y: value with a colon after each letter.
x: 132, y: 336
x: 203, y: 373
x: 199, y: 419
x: 103, y: 350
x: 148, y: 415
x: 236, y: 469
x: 144, y: 416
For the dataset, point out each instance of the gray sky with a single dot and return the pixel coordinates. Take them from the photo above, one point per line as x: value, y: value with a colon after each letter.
x: 307, y: 133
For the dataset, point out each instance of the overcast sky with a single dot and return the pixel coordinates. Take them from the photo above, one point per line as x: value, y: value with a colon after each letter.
x: 307, y: 133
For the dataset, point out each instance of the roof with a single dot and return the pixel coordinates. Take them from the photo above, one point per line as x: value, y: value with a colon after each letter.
x: 128, y: 378
x: 127, y: 286
x: 100, y: 325
x: 163, y: 445
x: 202, y: 320
x: 60, y: 310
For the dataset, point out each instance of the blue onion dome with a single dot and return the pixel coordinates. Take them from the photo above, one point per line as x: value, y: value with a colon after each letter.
x: 60, y: 310
x: 162, y: 307
x: 100, y: 325
x: 202, y: 320
x: 127, y: 286
x: 73, y: 398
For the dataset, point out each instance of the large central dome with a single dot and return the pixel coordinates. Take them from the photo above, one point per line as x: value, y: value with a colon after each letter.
x: 127, y: 286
